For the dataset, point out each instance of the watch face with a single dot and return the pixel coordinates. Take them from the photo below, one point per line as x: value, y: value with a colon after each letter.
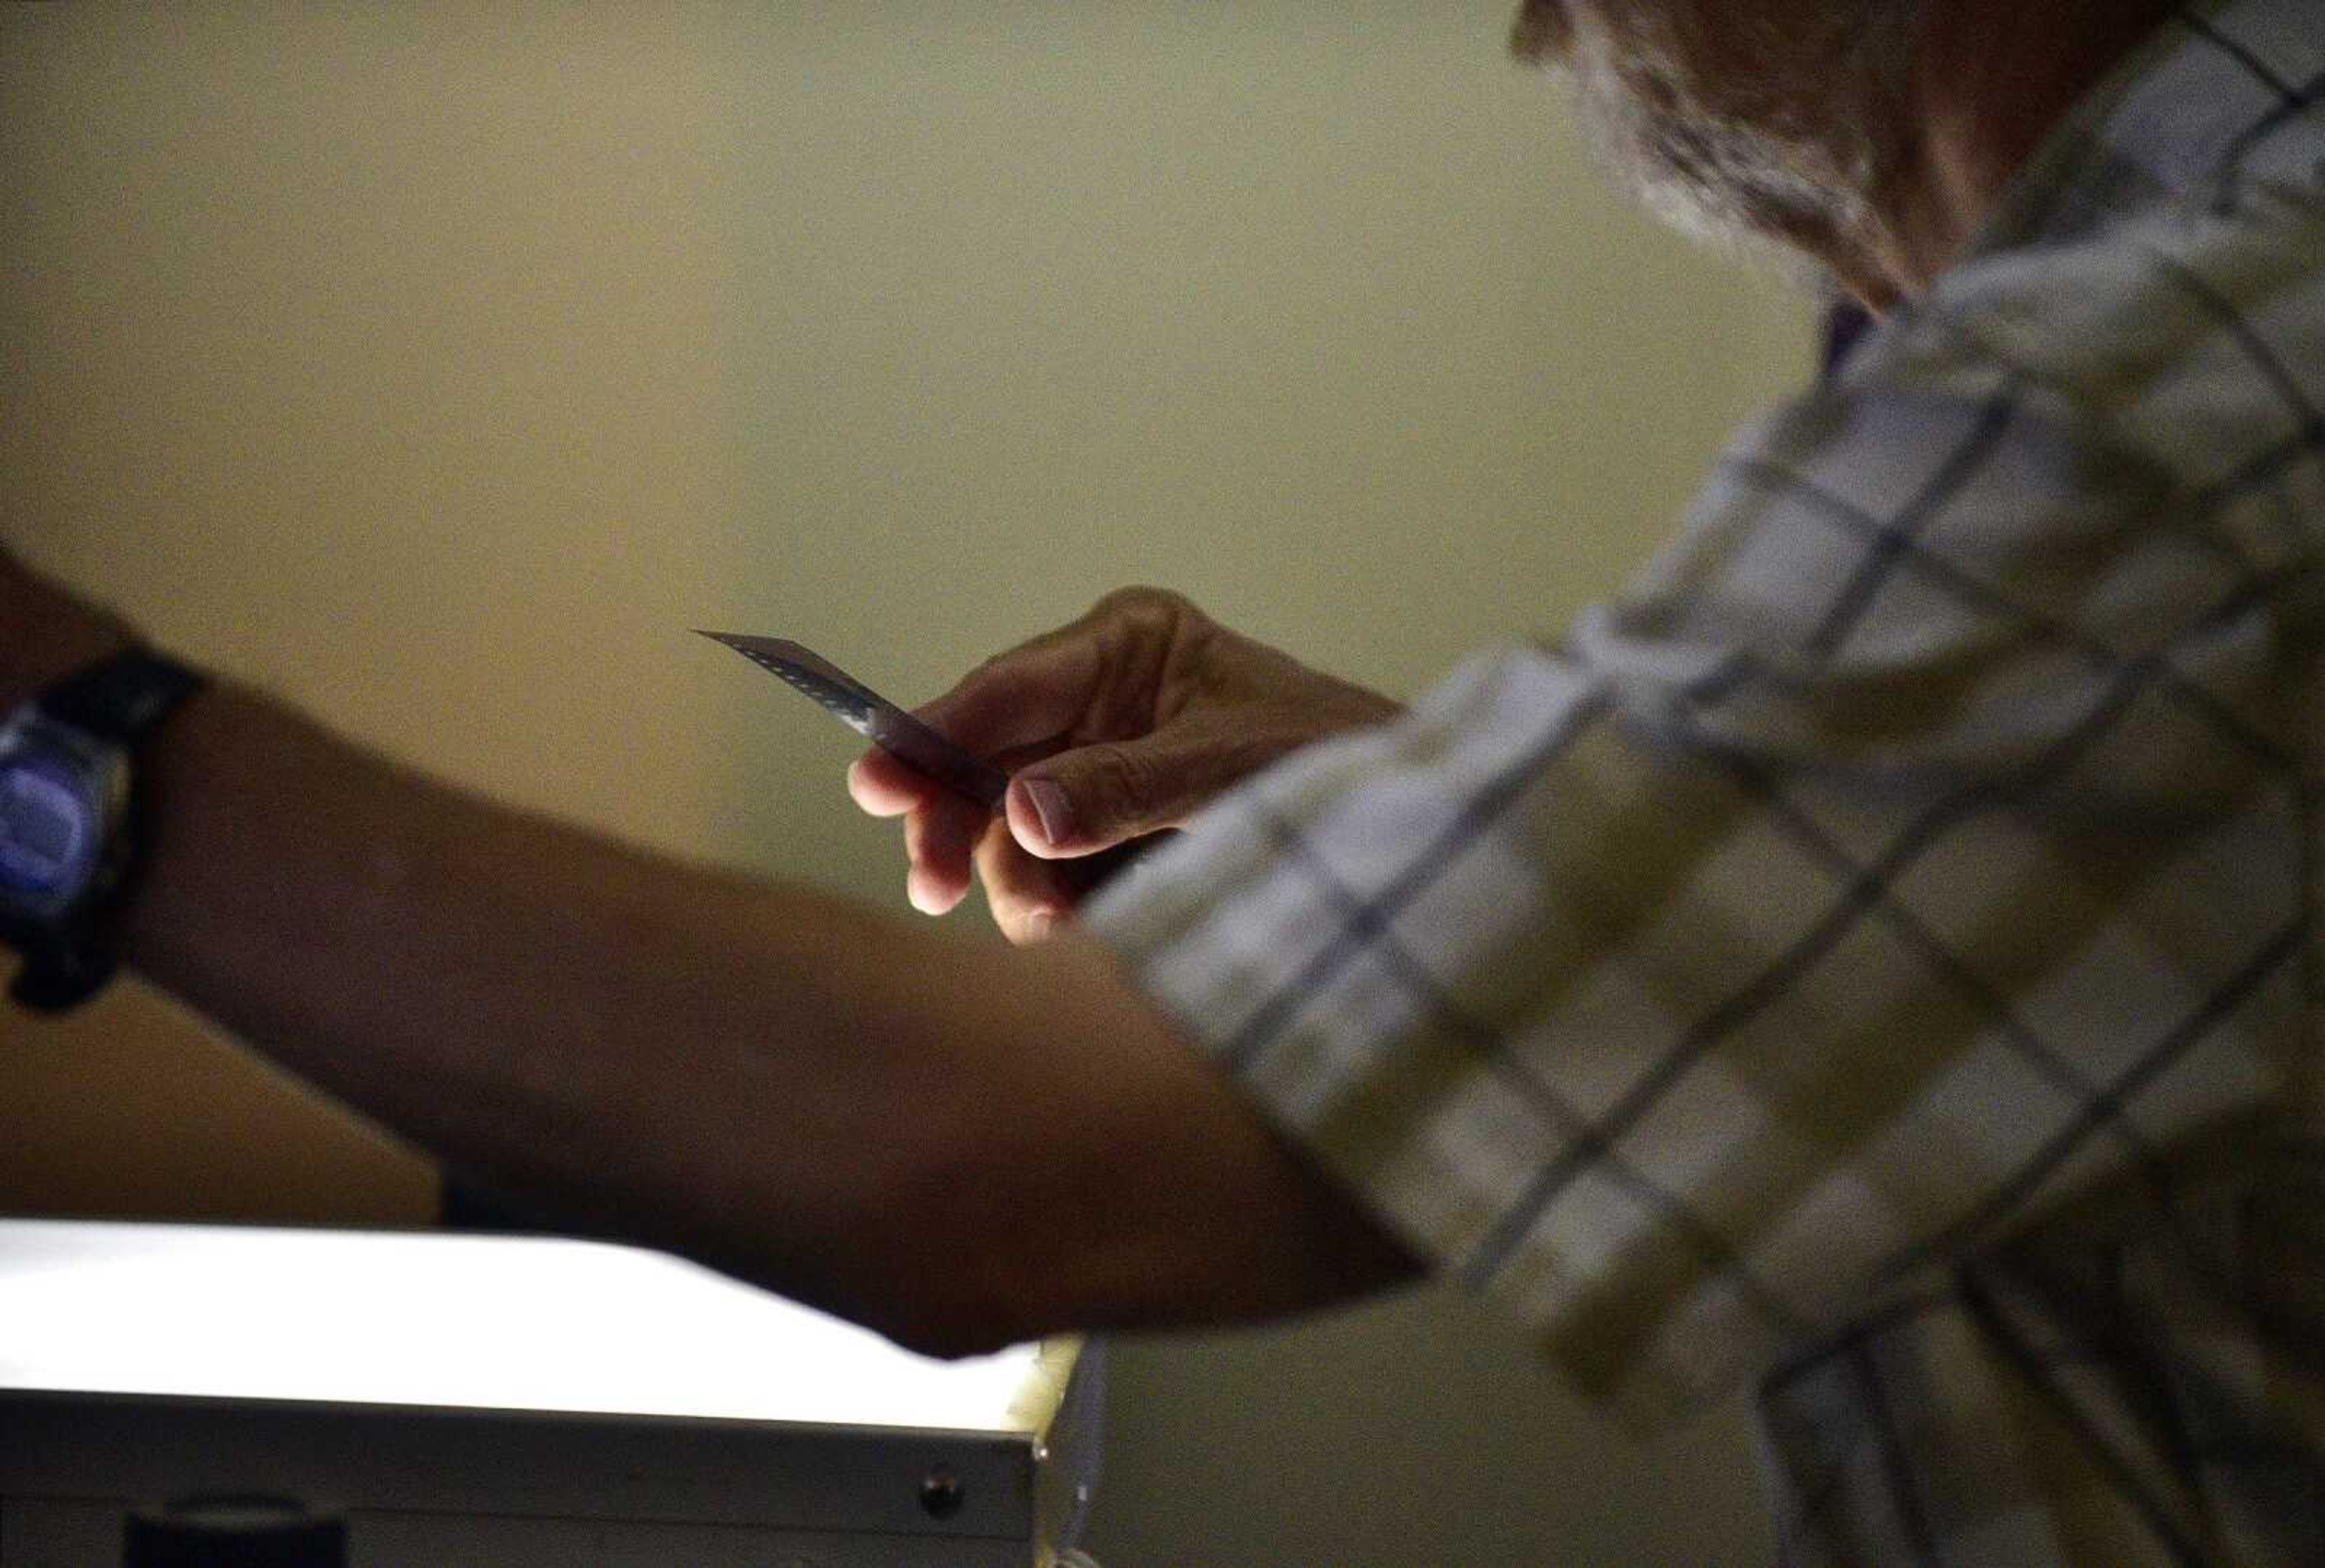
x: 50, y: 827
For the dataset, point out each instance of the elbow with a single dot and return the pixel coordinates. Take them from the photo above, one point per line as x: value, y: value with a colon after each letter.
x: 952, y: 1336
x: 970, y: 1257
x: 957, y: 1303
x: 949, y: 1261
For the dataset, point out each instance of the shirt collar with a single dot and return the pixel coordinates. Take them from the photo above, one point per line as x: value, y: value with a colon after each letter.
x: 2168, y: 120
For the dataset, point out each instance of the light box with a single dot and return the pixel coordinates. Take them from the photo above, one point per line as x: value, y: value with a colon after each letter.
x: 509, y: 1401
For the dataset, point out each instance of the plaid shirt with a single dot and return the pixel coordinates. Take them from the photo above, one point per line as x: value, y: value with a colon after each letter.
x: 1876, y: 957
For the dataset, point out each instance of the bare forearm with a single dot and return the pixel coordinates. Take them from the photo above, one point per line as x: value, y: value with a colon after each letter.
x: 956, y: 1144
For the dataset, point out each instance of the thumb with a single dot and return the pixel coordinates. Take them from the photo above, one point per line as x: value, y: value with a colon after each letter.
x: 1081, y: 801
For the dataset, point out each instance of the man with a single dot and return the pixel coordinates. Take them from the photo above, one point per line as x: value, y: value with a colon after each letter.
x: 1874, y: 958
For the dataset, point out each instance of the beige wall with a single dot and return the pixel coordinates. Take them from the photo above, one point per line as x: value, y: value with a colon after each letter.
x: 438, y: 368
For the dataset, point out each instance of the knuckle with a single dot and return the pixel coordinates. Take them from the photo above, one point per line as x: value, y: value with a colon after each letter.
x: 1147, y: 603
x: 962, y: 697
x: 1118, y: 777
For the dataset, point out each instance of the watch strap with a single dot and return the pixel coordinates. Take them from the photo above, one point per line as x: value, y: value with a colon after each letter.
x: 120, y: 700
x: 58, y: 972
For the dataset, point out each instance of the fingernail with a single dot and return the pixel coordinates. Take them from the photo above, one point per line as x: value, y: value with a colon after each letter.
x: 922, y: 894
x: 1039, y: 924
x: 1049, y: 805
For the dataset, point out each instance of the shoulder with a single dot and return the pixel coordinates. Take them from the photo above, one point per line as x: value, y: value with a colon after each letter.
x: 2101, y: 436
x: 2188, y: 334
x: 2164, y: 375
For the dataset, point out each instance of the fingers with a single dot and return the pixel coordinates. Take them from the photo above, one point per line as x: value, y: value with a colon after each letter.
x: 1030, y: 696
x: 941, y: 840
x: 1101, y: 671
x: 1094, y: 797
x: 1028, y: 896
x: 882, y: 786
x: 1031, y: 898
x: 1102, y: 675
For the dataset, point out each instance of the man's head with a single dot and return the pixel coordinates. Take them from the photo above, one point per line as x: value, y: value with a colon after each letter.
x: 1744, y: 122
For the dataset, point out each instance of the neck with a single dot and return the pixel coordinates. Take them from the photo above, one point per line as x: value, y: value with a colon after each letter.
x: 1991, y: 79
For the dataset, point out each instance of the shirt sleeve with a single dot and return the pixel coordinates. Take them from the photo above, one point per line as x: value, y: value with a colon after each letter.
x: 1919, y: 841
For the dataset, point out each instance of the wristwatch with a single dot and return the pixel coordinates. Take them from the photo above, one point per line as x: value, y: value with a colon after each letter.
x: 69, y: 827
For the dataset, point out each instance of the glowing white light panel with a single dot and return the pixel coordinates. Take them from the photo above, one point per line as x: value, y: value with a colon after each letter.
x: 476, y: 1321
